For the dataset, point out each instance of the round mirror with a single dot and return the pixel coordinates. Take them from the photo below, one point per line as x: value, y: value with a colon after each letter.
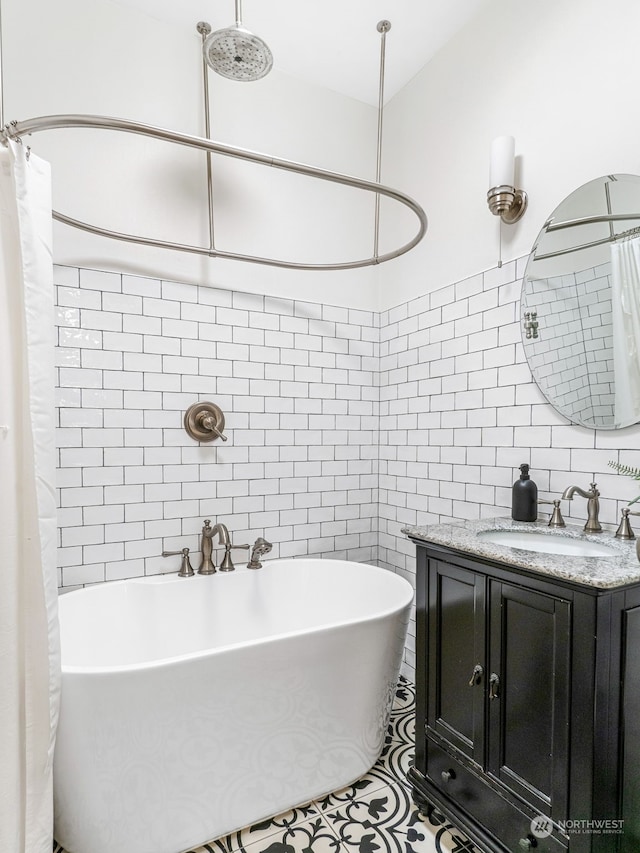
x: 581, y: 305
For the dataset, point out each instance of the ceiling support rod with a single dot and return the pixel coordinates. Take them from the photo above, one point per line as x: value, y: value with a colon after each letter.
x: 383, y: 28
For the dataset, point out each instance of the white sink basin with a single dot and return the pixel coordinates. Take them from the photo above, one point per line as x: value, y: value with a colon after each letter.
x: 548, y: 543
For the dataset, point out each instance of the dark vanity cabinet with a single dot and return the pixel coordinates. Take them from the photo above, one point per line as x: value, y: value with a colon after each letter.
x: 527, y: 706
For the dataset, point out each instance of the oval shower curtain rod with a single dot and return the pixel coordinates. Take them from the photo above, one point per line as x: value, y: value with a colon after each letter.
x: 15, y: 130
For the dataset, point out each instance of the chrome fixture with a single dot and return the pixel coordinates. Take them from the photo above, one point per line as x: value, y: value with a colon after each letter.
x: 593, y: 505
x: 16, y: 130
x: 556, y: 519
x: 207, y: 567
x: 551, y: 226
x: 204, y: 422
x: 383, y: 28
x: 204, y: 29
x: 227, y: 565
x: 494, y: 686
x: 234, y: 52
x: 260, y: 548
x: 503, y: 198
x: 624, y: 530
x: 241, y: 39
x: 531, y: 324
x: 186, y: 569
x: 476, y: 675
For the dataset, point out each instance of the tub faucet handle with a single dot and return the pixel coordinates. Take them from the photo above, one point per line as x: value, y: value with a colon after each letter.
x: 227, y: 565
x: 186, y: 569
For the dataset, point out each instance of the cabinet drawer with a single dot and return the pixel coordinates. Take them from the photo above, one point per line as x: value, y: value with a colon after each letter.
x: 497, y: 815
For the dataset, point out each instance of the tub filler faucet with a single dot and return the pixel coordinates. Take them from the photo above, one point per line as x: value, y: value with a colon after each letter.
x: 207, y: 566
x: 593, y: 505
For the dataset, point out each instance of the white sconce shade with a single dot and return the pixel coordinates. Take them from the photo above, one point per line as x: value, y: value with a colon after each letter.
x: 502, y: 171
x: 503, y: 198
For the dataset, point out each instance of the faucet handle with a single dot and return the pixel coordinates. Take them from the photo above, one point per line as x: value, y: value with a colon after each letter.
x: 227, y: 565
x: 556, y: 519
x: 624, y: 530
x: 186, y: 569
x: 209, y: 422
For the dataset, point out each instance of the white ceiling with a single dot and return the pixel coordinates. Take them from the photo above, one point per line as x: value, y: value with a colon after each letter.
x: 333, y: 43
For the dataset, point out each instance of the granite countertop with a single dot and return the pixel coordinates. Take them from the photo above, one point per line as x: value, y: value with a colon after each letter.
x: 619, y: 569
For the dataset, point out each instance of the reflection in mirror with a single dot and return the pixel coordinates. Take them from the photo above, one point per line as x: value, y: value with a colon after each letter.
x: 581, y: 305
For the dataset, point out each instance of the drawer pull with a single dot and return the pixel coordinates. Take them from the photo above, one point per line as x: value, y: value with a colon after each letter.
x: 494, y: 686
x: 447, y: 776
x: 476, y: 675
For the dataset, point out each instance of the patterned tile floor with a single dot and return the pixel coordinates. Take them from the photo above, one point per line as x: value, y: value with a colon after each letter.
x: 374, y: 815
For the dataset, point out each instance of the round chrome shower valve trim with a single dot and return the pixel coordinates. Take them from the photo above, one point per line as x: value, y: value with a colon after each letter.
x: 204, y: 421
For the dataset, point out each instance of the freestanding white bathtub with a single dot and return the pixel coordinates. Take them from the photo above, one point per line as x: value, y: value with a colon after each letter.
x: 192, y: 707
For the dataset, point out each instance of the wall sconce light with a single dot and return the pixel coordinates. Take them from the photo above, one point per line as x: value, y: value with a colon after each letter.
x: 503, y: 198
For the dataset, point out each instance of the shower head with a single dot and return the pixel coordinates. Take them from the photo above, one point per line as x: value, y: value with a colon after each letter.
x: 234, y: 52
x: 237, y: 54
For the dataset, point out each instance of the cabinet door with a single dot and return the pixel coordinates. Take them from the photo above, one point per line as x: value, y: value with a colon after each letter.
x: 456, y: 657
x: 529, y: 695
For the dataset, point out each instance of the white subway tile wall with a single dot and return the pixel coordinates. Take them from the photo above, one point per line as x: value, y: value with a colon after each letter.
x: 459, y: 412
x: 344, y: 425
x: 298, y: 385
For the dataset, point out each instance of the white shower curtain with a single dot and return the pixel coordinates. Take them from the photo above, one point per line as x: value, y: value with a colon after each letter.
x: 625, y: 286
x: 29, y: 643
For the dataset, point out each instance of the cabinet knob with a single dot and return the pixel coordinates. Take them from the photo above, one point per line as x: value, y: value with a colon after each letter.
x: 476, y: 675
x: 448, y: 775
x: 494, y: 686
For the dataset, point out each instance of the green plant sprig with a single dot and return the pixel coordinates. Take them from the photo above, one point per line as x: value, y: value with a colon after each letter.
x: 628, y: 471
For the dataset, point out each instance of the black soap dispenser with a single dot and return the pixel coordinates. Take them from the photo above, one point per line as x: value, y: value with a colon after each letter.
x: 524, y: 497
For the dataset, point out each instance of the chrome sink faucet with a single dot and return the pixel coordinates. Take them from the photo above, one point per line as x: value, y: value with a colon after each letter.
x: 593, y: 505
